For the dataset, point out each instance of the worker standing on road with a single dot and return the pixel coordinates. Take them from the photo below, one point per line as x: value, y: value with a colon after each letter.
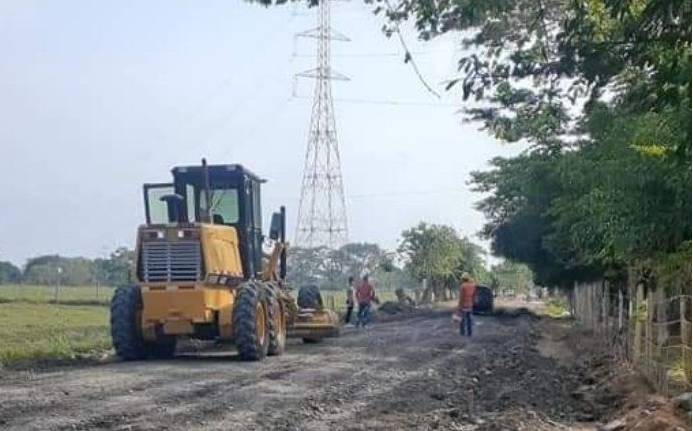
x: 349, y: 300
x: 467, y: 288
x: 365, y: 294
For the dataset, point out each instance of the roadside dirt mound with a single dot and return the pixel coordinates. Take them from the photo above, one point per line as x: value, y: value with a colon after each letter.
x: 392, y: 307
x: 627, y: 403
x: 615, y: 393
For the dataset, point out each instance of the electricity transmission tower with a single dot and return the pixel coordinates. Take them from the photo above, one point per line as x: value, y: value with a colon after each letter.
x: 322, y: 219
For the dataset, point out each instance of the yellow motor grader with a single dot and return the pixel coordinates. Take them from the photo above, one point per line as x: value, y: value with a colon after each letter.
x: 202, y: 273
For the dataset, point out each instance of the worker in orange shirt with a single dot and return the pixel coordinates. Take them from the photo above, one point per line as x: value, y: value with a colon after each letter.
x: 467, y: 288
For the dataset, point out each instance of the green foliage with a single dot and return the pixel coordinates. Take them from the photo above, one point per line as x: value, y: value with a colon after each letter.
x: 9, y: 273
x: 73, y: 271
x: 438, y: 254
x: 117, y: 269
x: 602, y: 91
x: 56, y: 269
x: 330, y: 269
x: 510, y: 275
x: 556, y: 308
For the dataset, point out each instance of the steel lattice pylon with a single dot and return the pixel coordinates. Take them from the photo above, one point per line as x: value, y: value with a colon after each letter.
x: 322, y: 219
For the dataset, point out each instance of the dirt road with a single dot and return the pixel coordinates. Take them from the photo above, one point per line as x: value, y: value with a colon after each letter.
x: 414, y: 373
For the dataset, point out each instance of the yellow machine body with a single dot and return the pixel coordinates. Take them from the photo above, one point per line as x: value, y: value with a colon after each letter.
x: 175, y: 307
x: 180, y: 308
x: 200, y: 264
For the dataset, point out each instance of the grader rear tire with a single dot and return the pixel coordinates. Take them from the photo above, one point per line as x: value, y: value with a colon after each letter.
x: 250, y: 326
x: 277, y: 324
x: 125, y: 332
x: 309, y: 297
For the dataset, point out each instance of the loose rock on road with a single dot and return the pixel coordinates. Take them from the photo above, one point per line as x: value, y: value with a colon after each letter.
x: 413, y: 373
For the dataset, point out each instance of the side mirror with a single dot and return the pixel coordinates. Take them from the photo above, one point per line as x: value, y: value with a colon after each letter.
x: 276, y: 226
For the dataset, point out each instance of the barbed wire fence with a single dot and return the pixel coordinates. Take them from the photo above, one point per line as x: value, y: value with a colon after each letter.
x: 647, y: 326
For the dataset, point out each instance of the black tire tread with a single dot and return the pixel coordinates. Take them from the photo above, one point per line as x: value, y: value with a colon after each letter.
x: 247, y: 344
x: 125, y: 335
x: 309, y: 297
x: 277, y: 344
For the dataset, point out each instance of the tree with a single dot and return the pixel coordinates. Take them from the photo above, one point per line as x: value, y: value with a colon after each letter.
x: 437, y: 254
x: 9, y: 273
x: 331, y: 268
x: 603, y: 92
x: 80, y: 271
x: 52, y: 269
x: 509, y: 275
x: 117, y: 269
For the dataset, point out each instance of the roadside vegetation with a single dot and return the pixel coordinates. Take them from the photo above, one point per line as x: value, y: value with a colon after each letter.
x: 35, y: 330
x: 556, y: 307
x: 602, y: 93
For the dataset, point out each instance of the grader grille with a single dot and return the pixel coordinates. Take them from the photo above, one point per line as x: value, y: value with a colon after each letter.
x: 171, y: 261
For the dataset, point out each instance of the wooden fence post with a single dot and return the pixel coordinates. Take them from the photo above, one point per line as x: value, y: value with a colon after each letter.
x: 595, y: 306
x: 685, y: 339
x: 637, y: 337
x: 648, y: 334
x: 620, y: 310
x: 605, y: 306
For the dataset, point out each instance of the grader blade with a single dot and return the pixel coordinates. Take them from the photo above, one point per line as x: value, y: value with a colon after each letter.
x: 313, y: 325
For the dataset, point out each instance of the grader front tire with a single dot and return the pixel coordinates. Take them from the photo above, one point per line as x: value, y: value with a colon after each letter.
x: 250, y: 326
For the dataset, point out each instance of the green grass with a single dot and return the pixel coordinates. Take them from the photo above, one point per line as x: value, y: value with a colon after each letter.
x: 556, y: 308
x: 34, y: 330
x: 45, y: 294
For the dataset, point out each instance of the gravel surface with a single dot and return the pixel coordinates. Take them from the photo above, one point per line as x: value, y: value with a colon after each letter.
x: 412, y: 373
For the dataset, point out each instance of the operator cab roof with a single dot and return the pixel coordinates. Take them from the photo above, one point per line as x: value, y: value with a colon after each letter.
x: 216, y: 172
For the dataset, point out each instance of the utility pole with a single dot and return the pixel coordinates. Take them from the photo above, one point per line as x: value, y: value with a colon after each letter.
x: 322, y: 219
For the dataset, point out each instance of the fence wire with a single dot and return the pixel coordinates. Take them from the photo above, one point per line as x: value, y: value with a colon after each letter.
x: 648, y: 329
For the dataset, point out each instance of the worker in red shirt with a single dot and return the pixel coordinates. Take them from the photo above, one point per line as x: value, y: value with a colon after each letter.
x: 365, y: 295
x: 467, y: 288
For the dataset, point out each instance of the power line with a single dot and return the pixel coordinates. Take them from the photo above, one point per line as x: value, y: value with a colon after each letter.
x: 385, y: 54
x: 389, y: 194
x: 392, y: 102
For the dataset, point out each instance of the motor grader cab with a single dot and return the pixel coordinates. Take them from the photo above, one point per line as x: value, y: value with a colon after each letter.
x: 202, y: 272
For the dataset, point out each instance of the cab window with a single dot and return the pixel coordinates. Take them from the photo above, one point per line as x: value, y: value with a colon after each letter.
x: 157, y: 211
x: 224, y: 208
x: 257, y: 208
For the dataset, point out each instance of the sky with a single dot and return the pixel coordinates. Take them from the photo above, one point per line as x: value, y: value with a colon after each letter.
x: 97, y: 98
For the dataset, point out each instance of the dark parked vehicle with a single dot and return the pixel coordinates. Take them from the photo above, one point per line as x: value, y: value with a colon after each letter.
x: 483, y: 300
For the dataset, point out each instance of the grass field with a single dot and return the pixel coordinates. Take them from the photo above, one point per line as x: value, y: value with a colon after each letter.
x: 33, y: 326
x: 65, y: 294
x: 34, y: 330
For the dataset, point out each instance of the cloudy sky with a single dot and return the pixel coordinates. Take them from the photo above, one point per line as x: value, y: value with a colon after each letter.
x: 97, y: 98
